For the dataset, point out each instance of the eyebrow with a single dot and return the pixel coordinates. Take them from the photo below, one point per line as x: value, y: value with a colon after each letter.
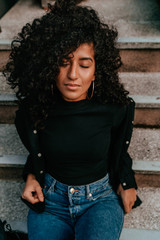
x: 87, y: 58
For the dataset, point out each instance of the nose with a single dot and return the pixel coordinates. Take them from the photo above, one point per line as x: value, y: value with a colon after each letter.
x: 73, y: 71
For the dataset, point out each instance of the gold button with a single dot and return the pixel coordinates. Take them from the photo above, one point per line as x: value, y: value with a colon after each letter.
x: 124, y: 184
x: 127, y: 142
x: 41, y: 171
x: 35, y: 131
x: 39, y: 154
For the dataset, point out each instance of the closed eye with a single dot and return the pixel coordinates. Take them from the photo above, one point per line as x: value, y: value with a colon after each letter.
x: 84, y: 66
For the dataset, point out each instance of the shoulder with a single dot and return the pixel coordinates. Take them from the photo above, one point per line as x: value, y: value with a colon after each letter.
x: 22, y: 114
x: 122, y: 113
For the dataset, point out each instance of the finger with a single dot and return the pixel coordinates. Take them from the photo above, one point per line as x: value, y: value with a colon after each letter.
x: 127, y: 210
x: 30, y: 198
x: 131, y: 204
x: 39, y: 193
x: 127, y: 207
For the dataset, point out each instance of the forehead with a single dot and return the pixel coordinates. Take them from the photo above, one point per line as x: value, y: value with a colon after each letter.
x: 85, y: 50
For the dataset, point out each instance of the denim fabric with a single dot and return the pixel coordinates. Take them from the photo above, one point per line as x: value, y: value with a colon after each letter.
x: 86, y: 212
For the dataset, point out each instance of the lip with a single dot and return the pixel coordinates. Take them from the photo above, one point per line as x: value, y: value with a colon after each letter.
x: 72, y: 86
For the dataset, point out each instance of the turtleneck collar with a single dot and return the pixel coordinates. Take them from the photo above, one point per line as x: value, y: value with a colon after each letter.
x: 73, y: 103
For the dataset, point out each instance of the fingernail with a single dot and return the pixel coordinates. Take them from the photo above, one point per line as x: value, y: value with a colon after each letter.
x: 41, y: 199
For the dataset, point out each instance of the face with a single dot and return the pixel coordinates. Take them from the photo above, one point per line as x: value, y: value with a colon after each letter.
x: 76, y: 73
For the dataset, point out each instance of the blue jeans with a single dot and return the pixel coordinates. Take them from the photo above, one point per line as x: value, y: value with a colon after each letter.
x: 86, y: 212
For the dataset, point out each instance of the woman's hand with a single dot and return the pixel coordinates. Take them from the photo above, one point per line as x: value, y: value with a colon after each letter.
x: 128, y: 197
x: 32, y: 191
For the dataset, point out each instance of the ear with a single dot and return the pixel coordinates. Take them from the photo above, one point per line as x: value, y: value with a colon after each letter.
x: 93, y: 78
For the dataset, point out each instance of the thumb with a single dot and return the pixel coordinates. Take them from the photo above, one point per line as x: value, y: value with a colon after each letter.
x: 39, y: 194
x: 127, y: 208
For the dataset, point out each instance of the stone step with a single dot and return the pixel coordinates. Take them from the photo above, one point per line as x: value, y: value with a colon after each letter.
x: 146, y: 216
x: 144, y: 146
x: 140, y: 83
x: 133, y: 82
x: 5, y: 87
x: 147, y: 173
x: 129, y: 11
x: 10, y: 142
x: 134, y: 59
x: 140, y: 60
x: 147, y: 109
x: 144, y: 150
x: 139, y: 234
x: 133, y: 19
x: 139, y: 30
x: 122, y: 43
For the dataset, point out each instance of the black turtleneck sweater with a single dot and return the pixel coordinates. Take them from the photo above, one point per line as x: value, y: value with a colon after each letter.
x: 76, y: 141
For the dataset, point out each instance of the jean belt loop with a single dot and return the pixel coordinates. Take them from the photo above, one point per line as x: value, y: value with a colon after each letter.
x: 87, y: 191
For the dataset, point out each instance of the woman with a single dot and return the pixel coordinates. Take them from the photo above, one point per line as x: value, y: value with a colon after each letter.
x: 75, y: 119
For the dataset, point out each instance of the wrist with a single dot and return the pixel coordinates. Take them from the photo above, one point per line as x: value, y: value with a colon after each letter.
x: 119, y: 189
x: 31, y: 177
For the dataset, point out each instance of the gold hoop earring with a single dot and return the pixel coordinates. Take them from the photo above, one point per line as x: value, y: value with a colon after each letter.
x: 92, y: 91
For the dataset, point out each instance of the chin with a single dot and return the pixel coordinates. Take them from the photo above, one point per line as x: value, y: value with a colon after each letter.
x: 73, y: 98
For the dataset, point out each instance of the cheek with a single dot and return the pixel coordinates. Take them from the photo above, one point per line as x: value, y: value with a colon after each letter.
x: 88, y: 77
x: 62, y: 74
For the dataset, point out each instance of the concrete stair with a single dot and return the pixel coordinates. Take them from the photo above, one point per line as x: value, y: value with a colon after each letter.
x: 138, y: 23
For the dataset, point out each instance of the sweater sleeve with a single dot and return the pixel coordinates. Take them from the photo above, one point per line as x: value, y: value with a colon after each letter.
x: 28, y: 168
x: 126, y: 173
x: 122, y: 132
x: 21, y: 126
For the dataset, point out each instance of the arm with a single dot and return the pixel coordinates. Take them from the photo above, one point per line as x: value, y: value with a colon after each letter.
x: 32, y: 191
x: 21, y: 126
x: 126, y: 174
x: 127, y: 187
x: 121, y: 161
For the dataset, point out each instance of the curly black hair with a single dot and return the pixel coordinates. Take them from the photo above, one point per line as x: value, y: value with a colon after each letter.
x: 39, y: 48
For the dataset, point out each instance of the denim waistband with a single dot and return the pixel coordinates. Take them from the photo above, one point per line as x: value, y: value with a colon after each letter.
x: 83, y: 189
